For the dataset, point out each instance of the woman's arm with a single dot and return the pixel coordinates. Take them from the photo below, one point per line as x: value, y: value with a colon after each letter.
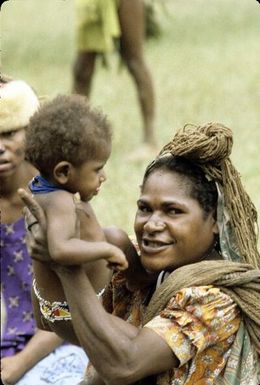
x: 120, y: 352
x: 92, y: 377
x: 39, y: 346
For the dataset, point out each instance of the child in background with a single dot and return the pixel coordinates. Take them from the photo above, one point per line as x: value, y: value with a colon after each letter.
x: 69, y: 143
x: 29, y: 356
x: 101, y: 27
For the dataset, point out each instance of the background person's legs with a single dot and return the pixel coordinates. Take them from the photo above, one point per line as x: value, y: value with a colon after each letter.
x: 83, y: 72
x: 132, y: 23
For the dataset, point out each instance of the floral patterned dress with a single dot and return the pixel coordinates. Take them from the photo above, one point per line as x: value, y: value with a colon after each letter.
x: 199, y: 324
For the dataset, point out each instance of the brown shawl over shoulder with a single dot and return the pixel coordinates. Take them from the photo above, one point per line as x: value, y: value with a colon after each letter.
x: 240, y: 281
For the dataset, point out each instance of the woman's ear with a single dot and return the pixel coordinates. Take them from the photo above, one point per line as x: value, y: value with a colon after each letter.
x: 215, y: 228
x: 215, y: 223
x: 62, y: 172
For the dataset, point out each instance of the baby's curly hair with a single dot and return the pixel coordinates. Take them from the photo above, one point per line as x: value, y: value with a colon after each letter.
x: 65, y: 128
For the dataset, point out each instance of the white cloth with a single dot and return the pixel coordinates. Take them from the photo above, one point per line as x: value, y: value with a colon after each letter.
x: 66, y: 365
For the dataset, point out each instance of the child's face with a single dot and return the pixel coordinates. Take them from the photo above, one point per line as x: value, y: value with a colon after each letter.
x: 11, y: 151
x: 90, y: 175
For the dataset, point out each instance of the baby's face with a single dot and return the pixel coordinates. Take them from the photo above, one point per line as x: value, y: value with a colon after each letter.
x: 90, y: 175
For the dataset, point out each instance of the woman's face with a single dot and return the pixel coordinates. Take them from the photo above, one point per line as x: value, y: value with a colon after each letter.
x: 11, y: 151
x: 170, y: 226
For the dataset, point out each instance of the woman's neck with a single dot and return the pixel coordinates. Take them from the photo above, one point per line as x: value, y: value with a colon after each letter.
x: 20, y: 178
x: 11, y: 205
x: 213, y: 255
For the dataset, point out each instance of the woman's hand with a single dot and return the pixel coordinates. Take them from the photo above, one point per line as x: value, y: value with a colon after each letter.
x: 36, y: 227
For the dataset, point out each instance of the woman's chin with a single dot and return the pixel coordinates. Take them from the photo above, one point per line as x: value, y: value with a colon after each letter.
x: 151, y: 272
x: 151, y: 267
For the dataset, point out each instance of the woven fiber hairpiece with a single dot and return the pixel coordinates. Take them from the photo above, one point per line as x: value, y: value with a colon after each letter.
x: 209, y: 146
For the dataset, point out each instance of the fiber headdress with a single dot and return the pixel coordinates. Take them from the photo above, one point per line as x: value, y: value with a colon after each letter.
x: 209, y: 146
x: 18, y: 102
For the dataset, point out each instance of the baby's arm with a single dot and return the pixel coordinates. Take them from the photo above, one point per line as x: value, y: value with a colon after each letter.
x: 64, y: 244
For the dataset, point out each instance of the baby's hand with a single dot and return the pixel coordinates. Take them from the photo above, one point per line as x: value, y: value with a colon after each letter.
x: 117, y: 259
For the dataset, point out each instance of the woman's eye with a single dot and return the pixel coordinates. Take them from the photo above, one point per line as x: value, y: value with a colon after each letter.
x: 144, y: 209
x: 173, y: 211
x: 8, y: 135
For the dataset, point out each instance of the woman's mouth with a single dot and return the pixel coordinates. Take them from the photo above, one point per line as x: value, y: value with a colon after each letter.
x: 5, y: 165
x: 151, y: 246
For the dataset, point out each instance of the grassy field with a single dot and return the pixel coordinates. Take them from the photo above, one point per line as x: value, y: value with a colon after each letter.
x: 205, y: 68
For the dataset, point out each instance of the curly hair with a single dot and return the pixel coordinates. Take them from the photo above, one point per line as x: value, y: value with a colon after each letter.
x: 66, y: 128
x: 201, y: 189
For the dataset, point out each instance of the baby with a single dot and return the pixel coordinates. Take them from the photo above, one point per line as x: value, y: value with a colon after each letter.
x: 69, y: 143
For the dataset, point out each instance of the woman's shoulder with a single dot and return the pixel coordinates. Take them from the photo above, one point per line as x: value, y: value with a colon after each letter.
x: 207, y: 296
x: 207, y: 304
x: 200, y: 316
x: 117, y: 237
x: 201, y: 295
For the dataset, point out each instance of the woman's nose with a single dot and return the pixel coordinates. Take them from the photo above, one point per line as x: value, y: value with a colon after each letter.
x: 154, y: 224
x: 2, y: 147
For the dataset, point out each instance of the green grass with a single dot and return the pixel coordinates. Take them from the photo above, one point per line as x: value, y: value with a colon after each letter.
x: 205, y: 68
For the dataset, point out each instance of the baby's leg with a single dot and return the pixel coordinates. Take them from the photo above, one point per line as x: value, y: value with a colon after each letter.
x: 51, y: 292
x: 98, y: 274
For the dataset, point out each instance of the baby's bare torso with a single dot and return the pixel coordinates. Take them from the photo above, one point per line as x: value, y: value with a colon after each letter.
x: 87, y: 228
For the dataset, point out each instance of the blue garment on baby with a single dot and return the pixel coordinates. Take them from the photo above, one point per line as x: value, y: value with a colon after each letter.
x: 40, y: 185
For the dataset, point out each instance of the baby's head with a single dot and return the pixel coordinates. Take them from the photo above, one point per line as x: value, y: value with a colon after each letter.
x: 69, y: 142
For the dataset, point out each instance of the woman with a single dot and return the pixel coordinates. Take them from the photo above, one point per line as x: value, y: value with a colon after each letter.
x: 194, y: 317
x: 28, y: 356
